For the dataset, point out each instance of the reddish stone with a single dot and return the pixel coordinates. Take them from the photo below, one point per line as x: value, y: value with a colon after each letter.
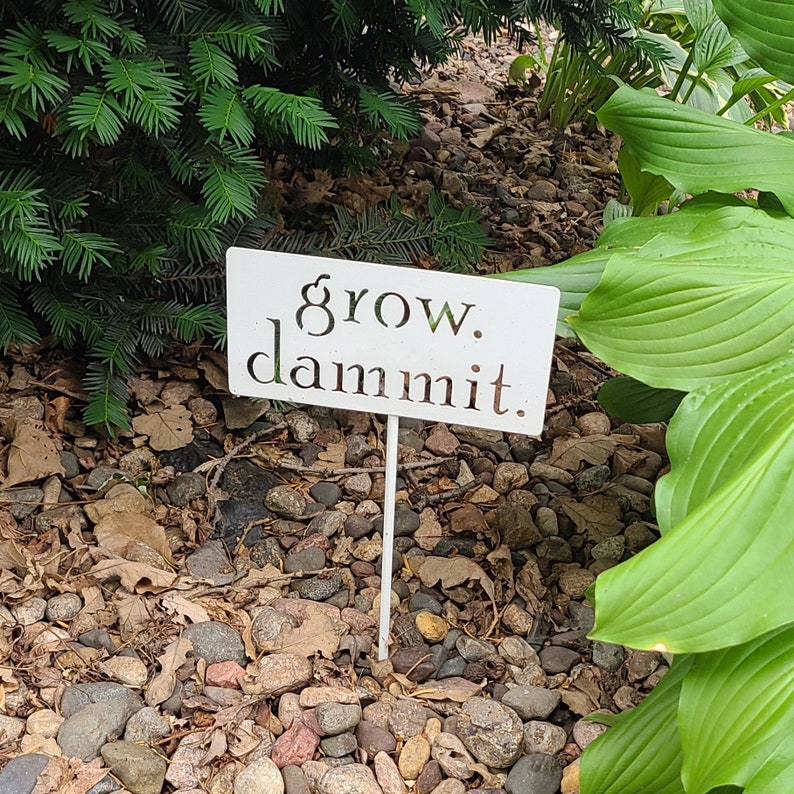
x: 295, y: 746
x: 315, y: 695
x: 225, y: 674
x: 468, y: 518
x: 359, y: 622
x: 442, y: 442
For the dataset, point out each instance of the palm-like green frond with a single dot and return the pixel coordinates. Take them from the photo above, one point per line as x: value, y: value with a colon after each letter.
x: 15, y: 326
x: 302, y: 116
x: 397, y: 114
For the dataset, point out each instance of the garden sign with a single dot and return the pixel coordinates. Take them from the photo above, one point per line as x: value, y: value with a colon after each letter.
x: 389, y: 340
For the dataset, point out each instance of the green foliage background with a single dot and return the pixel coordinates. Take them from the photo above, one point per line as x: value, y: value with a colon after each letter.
x: 133, y: 137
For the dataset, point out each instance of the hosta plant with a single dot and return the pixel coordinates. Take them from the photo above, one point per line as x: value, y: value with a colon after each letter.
x: 697, y: 307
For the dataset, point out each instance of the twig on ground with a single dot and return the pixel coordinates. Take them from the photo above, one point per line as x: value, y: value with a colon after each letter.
x: 443, y: 496
x: 221, y: 464
x: 418, y: 464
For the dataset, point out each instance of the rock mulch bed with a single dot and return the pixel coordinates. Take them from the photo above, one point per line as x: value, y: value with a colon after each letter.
x: 203, y: 618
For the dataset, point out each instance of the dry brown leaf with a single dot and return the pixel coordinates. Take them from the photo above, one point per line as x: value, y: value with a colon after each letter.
x: 181, y: 608
x: 11, y: 558
x: 71, y: 776
x: 32, y: 454
x: 170, y: 428
x: 319, y: 633
x: 569, y: 453
x: 133, y: 615
x: 137, y: 577
x: 8, y: 524
x: 597, y: 515
x: 578, y: 702
x: 172, y: 658
x: 332, y: 457
x: 455, y: 688
x: 93, y: 600
x: 55, y: 413
x: 651, y: 437
x: 50, y: 778
x: 501, y: 562
x: 454, y: 571
x: 529, y: 585
x: 117, y: 532
x: 145, y: 390
x: 214, y: 368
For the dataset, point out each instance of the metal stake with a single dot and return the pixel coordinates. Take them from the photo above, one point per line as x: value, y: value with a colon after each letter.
x: 389, y: 496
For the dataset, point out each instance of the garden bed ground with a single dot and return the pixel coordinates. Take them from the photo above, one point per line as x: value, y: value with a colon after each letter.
x: 195, y: 604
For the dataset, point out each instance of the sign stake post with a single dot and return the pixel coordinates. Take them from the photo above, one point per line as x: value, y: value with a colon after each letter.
x: 389, y: 496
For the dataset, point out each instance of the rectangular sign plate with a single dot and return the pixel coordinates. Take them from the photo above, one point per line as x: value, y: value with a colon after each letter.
x: 390, y: 340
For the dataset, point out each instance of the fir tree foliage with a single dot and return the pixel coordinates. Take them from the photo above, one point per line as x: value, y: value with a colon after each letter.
x: 133, y: 136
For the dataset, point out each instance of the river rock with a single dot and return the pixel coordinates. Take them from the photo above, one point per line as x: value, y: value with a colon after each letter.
x: 295, y: 781
x: 387, y: 775
x: 146, y: 726
x: 278, y: 673
x: 491, y: 731
x: 413, y: 757
x: 215, y: 642
x: 336, y: 718
x: 64, y: 606
x: 374, y: 739
x: 538, y: 774
x: 84, y: 733
x: 350, y: 779
x: 531, y: 702
x: 543, y: 737
x: 285, y: 501
x: 139, y: 768
x: 20, y: 774
x: 258, y: 777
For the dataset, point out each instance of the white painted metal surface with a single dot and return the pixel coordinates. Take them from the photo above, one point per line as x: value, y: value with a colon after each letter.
x: 390, y: 340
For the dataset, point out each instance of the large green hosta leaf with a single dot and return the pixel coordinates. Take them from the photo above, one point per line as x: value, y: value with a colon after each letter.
x: 633, y: 401
x: 734, y: 717
x: 642, y: 753
x: 697, y: 151
x: 682, y: 313
x: 578, y: 276
x: 716, y: 430
x: 575, y: 278
x: 714, y: 579
x: 766, y: 30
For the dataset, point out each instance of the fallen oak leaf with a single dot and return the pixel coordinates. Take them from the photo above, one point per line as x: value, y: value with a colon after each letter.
x: 137, y: 577
x: 454, y: 571
x: 319, y: 633
x: 32, y: 454
x: 170, y: 428
x: 597, y: 515
x: 454, y: 688
x: 118, y: 532
x: 569, y: 453
x: 172, y: 658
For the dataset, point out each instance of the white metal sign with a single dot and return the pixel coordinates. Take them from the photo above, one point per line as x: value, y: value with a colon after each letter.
x: 390, y: 340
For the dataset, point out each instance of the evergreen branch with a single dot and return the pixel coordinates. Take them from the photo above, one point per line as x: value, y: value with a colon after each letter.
x: 108, y: 397
x: 15, y: 326
x: 398, y: 114
x: 222, y: 112
x: 210, y: 64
